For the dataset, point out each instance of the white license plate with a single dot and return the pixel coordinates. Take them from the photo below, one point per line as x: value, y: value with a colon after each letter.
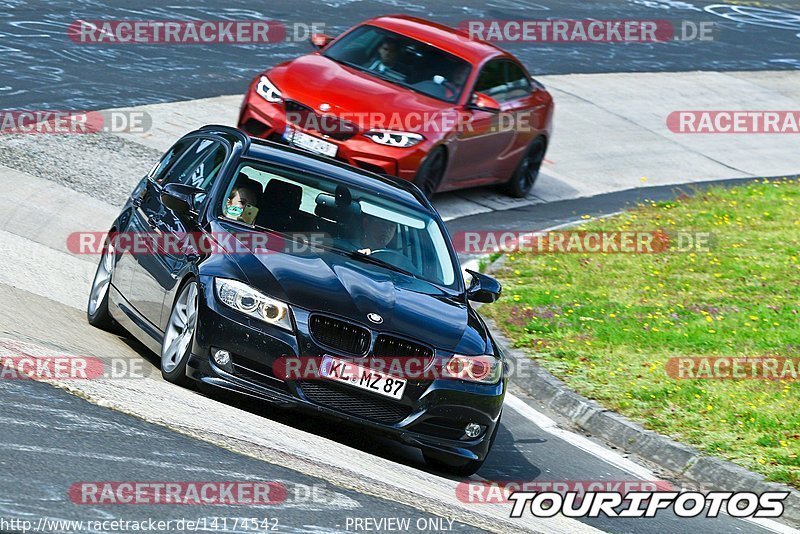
x: 309, y: 142
x: 362, y: 377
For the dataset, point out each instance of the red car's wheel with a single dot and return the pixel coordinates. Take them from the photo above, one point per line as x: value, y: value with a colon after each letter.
x: 430, y: 173
x: 521, y: 182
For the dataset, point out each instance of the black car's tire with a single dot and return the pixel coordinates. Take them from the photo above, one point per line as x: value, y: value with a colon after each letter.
x: 431, y: 172
x: 521, y: 182
x: 454, y: 464
x: 97, y: 308
x: 179, y: 334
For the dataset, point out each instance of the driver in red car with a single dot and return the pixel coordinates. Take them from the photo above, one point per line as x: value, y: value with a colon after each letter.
x: 387, y: 60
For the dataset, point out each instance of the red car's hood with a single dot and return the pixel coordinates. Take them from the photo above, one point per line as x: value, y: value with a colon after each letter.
x: 314, y: 79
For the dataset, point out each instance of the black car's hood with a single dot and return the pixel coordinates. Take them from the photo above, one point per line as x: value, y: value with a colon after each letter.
x: 332, y: 283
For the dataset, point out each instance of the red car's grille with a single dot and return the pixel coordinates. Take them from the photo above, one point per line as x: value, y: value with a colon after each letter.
x: 305, y: 118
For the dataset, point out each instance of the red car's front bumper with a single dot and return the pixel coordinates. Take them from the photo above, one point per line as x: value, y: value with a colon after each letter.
x: 263, y: 119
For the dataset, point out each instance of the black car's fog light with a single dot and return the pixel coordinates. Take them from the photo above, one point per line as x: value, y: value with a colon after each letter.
x: 473, y: 430
x: 223, y: 359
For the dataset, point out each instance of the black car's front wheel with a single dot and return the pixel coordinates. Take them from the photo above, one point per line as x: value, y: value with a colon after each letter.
x: 97, y: 309
x: 178, y: 336
x: 431, y: 172
x: 521, y: 182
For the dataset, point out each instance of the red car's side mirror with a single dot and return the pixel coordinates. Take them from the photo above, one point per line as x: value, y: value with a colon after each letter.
x: 320, y: 40
x: 484, y: 103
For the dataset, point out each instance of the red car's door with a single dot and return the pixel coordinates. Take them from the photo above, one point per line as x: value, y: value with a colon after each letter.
x: 488, y: 137
x: 524, y: 107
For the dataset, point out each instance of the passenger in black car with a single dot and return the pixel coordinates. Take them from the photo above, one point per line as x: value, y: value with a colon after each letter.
x: 242, y: 203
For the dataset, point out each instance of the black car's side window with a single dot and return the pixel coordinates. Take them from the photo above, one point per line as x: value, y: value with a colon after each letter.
x: 492, y: 80
x: 517, y: 82
x: 199, y: 167
x: 159, y: 170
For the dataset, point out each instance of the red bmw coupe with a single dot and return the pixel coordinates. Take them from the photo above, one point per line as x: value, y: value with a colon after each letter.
x: 411, y: 98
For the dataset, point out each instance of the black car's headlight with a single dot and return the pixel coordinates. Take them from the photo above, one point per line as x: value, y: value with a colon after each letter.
x: 268, y: 91
x: 485, y: 369
x: 252, y: 302
x: 394, y: 138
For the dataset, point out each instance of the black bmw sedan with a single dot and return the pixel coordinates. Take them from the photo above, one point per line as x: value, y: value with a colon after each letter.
x: 242, y: 263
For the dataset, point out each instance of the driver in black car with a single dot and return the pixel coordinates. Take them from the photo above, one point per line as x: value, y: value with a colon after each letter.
x: 376, y: 233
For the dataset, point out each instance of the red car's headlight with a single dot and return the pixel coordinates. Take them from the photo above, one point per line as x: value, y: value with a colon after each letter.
x: 394, y: 138
x: 267, y: 90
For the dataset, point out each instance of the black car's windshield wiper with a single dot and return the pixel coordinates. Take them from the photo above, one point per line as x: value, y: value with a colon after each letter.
x: 355, y: 254
x: 367, y: 258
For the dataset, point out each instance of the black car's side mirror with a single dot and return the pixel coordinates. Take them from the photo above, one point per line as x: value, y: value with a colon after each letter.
x: 320, y: 40
x: 483, y: 288
x: 180, y: 199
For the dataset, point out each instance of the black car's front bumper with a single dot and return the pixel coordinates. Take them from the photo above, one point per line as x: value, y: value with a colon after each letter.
x: 431, y: 415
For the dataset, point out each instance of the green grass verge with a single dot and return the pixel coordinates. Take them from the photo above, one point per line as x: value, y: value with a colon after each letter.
x: 607, y: 324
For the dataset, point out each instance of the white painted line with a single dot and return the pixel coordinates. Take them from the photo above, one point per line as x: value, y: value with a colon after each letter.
x: 607, y: 455
x: 576, y: 440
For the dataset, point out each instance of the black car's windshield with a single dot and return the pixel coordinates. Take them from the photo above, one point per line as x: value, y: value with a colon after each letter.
x: 402, y: 61
x: 348, y: 220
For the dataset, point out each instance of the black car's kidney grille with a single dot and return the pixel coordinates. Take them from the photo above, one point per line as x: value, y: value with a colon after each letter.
x: 339, y: 335
x: 305, y: 117
x: 387, y: 346
x: 354, y: 402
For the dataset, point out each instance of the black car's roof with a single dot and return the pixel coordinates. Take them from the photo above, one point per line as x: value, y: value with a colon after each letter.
x: 387, y: 186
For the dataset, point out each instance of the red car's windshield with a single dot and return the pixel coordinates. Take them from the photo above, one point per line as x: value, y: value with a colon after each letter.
x: 402, y: 61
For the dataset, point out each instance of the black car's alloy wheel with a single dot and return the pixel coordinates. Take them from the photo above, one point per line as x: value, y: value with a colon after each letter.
x: 431, y: 172
x: 97, y: 309
x: 178, y: 336
x: 525, y: 176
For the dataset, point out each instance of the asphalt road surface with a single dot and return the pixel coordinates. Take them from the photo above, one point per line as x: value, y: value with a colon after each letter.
x: 97, y: 444
x: 41, y: 68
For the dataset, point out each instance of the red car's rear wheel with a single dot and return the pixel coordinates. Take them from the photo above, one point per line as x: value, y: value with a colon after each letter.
x: 521, y: 182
